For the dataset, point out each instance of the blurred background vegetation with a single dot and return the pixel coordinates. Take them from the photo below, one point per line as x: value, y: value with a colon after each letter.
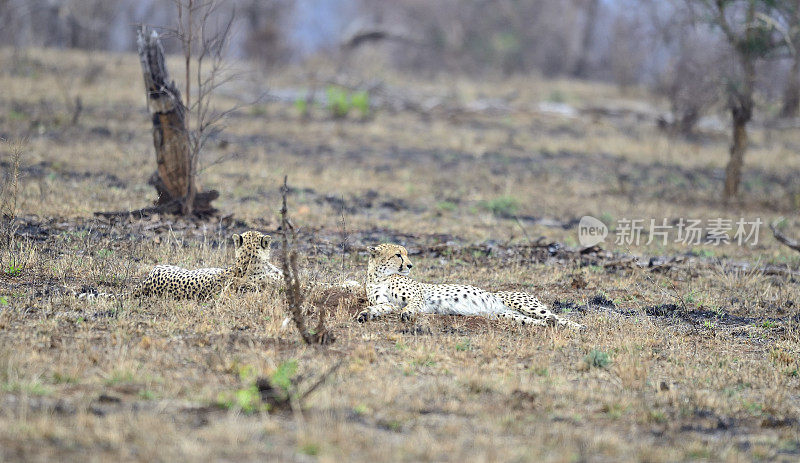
x: 629, y: 42
x: 673, y: 47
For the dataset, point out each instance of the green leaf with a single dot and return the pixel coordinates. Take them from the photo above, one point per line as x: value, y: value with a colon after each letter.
x: 282, y: 377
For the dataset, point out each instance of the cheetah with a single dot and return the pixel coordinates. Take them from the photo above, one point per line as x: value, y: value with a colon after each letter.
x: 390, y: 289
x: 251, y: 270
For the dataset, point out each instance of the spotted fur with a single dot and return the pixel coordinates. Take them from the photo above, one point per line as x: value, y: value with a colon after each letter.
x: 389, y: 289
x: 251, y: 270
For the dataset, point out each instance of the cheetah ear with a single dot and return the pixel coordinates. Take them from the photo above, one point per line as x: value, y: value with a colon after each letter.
x: 373, y: 251
x: 265, y: 241
x: 237, y: 240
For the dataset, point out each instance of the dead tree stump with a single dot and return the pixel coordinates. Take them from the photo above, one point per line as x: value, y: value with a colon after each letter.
x: 174, y: 179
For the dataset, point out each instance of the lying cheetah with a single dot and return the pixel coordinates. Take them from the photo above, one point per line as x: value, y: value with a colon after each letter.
x: 251, y: 270
x: 389, y: 289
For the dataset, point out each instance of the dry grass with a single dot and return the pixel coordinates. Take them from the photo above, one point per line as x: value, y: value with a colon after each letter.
x: 153, y: 379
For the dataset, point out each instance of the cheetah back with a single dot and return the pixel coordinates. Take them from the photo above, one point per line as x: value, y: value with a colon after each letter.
x: 180, y: 283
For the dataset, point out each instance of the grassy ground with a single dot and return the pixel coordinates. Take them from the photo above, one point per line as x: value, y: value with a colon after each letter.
x: 693, y: 355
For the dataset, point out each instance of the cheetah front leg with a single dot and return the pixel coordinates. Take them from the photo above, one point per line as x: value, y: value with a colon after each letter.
x: 411, y: 309
x: 528, y: 305
x: 374, y: 311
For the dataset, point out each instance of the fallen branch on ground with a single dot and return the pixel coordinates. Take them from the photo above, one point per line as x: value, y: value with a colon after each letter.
x: 288, y: 396
x: 794, y: 244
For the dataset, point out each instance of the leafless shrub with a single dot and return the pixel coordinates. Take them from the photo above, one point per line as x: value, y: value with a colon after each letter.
x: 295, y: 297
x: 692, y: 82
x: 9, y: 191
x: 265, y: 30
x: 630, y: 43
x: 70, y: 23
x: 203, y: 43
x: 72, y: 102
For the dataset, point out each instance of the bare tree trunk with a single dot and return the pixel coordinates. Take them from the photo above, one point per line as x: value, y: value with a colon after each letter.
x: 687, y: 121
x: 741, y: 105
x: 791, y: 96
x: 733, y: 172
x: 174, y: 180
x: 581, y: 67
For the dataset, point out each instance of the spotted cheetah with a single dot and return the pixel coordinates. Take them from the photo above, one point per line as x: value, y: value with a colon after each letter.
x: 251, y: 270
x: 390, y: 289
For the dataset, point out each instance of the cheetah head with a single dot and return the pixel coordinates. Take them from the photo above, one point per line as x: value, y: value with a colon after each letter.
x: 388, y: 259
x: 252, y: 252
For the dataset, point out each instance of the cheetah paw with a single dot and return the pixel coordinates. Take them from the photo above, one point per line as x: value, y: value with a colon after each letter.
x: 406, y: 316
x: 573, y: 325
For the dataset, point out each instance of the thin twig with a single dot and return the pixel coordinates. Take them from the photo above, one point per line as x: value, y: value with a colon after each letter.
x: 322, y: 378
x: 524, y: 232
x: 344, y: 235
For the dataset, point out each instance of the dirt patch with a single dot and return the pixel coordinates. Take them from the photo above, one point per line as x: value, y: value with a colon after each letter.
x: 693, y: 316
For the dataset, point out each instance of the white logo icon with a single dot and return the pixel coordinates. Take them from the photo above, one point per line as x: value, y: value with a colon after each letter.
x: 591, y: 231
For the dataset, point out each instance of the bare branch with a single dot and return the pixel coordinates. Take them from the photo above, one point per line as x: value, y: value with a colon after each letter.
x: 322, y: 378
x: 198, y: 44
x: 722, y: 21
x: 794, y: 244
x: 294, y: 295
